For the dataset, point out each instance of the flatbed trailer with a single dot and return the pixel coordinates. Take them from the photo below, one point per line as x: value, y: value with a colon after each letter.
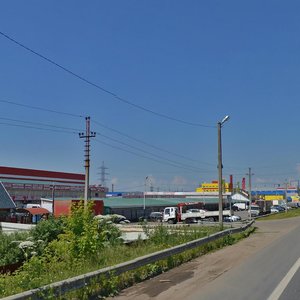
x: 181, y: 214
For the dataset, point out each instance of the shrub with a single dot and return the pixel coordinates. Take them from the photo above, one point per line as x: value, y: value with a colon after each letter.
x: 10, y: 253
x: 86, y: 235
x: 48, y: 230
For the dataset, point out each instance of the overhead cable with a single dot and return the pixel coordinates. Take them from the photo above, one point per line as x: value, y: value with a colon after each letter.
x: 41, y: 124
x: 41, y: 108
x: 146, y: 157
x: 97, y: 123
x: 147, y: 152
x: 35, y: 127
x: 149, y: 145
x: 114, y: 95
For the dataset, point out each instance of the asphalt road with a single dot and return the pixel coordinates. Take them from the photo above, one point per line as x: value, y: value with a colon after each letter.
x: 263, y: 266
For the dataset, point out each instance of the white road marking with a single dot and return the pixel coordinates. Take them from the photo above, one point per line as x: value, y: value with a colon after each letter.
x: 285, y: 281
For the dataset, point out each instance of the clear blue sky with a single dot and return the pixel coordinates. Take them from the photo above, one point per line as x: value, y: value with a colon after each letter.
x: 195, y: 61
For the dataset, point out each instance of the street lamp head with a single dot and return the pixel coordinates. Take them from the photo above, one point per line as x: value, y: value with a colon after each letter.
x: 226, y: 118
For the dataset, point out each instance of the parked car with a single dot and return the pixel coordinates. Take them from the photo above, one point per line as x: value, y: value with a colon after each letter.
x: 255, y: 210
x: 156, y: 216
x: 114, y: 218
x: 278, y: 207
x: 232, y: 219
x: 274, y: 210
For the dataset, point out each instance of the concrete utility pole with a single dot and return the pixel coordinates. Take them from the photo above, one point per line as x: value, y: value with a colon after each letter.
x: 87, y: 135
x: 250, y: 196
x: 220, y: 167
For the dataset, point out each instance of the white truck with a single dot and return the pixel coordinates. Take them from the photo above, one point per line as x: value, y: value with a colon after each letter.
x: 176, y: 214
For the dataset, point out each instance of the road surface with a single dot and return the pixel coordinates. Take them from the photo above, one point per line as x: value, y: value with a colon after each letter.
x: 263, y: 266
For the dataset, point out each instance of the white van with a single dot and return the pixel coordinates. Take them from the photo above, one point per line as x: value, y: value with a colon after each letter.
x: 239, y: 206
x: 255, y: 210
x: 32, y: 205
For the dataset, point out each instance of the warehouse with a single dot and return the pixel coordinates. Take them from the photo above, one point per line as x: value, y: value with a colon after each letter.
x: 133, y: 208
x: 29, y: 185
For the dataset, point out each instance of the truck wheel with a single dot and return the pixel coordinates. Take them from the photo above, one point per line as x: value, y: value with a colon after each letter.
x: 170, y: 221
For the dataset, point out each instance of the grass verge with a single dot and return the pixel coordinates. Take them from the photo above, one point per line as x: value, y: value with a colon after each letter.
x: 58, y: 263
x: 110, y: 286
x: 282, y: 215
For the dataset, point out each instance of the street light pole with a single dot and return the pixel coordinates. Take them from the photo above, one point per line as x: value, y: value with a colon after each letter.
x: 250, y: 192
x: 220, y: 167
x: 286, y: 197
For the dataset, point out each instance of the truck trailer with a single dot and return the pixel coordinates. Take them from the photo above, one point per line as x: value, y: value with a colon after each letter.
x: 191, y: 213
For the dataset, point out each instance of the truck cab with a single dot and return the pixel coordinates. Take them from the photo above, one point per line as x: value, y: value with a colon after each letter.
x: 170, y: 215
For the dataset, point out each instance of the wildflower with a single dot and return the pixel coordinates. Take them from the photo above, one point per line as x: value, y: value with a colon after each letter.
x: 26, y: 244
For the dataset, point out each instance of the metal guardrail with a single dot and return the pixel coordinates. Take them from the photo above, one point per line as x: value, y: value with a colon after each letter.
x: 74, y: 283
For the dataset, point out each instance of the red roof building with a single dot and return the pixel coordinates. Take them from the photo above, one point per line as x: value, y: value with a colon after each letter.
x: 30, y: 185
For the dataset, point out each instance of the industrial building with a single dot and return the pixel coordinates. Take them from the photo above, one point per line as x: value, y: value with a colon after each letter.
x: 29, y: 186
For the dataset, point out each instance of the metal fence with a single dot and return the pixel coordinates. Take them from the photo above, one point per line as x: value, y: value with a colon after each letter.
x: 78, y: 282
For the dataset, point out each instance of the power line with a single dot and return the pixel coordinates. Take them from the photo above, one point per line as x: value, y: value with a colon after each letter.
x: 41, y: 108
x: 34, y: 127
x: 147, y: 152
x: 146, y: 157
x: 149, y: 145
x: 95, y: 122
x: 105, y: 136
x: 114, y: 95
x: 41, y: 124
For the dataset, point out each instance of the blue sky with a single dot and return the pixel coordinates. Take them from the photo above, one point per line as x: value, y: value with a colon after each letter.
x: 195, y: 61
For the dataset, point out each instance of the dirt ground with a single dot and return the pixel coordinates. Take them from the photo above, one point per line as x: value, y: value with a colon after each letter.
x: 198, y: 272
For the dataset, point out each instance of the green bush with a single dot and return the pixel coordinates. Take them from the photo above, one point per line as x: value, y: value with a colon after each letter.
x: 10, y: 252
x: 48, y: 230
x: 70, y: 250
x: 20, y: 246
x: 86, y: 235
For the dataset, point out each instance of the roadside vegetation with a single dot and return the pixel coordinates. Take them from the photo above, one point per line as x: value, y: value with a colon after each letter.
x: 111, y: 286
x: 62, y: 248
x: 291, y: 213
x: 18, y: 247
